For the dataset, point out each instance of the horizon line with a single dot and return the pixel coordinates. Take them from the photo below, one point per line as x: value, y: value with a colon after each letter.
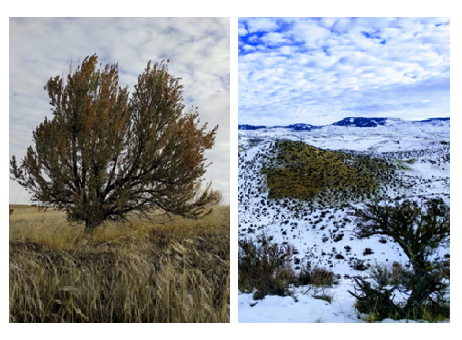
x: 416, y: 120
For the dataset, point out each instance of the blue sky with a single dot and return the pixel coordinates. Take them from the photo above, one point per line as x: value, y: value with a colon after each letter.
x: 320, y: 70
x: 199, y: 53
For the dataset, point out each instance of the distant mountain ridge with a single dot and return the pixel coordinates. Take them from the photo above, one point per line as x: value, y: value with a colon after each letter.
x: 251, y: 127
x: 362, y: 122
x: 348, y: 121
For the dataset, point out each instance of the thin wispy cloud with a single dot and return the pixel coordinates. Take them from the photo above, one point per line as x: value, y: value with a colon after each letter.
x: 320, y: 70
x: 198, y: 49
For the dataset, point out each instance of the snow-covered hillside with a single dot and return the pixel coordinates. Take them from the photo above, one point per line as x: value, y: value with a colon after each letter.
x: 322, y: 235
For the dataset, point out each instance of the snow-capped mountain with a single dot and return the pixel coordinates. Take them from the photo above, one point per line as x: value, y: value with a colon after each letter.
x: 362, y: 122
x: 348, y: 121
x: 391, y: 134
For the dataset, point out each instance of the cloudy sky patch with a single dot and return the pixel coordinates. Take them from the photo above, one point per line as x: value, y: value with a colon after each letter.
x: 320, y: 70
x: 198, y: 49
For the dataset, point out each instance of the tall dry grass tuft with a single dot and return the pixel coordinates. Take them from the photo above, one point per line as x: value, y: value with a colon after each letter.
x: 171, y: 271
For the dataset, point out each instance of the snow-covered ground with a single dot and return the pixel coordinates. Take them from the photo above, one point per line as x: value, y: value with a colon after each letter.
x: 323, y: 236
x: 284, y: 309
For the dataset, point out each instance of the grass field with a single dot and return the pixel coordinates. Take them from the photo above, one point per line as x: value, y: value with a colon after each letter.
x: 302, y: 171
x: 171, y: 271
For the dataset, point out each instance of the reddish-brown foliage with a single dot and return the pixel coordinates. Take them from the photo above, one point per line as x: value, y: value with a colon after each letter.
x: 104, y: 154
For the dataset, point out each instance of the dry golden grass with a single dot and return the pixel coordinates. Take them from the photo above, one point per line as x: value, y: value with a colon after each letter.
x: 303, y: 171
x: 171, y: 271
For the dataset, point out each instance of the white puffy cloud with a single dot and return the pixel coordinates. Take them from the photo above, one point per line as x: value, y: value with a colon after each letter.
x: 273, y: 38
x: 198, y: 49
x: 311, y: 33
x: 261, y: 24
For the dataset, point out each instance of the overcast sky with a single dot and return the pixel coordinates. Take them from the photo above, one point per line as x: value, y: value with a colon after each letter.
x: 321, y: 70
x: 198, y: 49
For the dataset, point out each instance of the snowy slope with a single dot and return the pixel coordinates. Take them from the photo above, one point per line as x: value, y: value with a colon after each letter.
x: 323, y: 236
